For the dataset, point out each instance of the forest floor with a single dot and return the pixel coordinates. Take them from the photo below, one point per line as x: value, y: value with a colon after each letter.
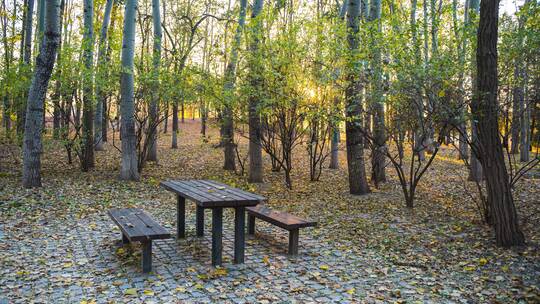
x: 57, y: 243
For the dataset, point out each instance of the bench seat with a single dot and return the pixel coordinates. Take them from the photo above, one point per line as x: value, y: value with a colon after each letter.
x: 281, y: 219
x: 137, y: 226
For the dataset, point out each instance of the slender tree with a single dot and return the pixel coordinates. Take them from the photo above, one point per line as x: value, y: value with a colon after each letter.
x: 255, y: 148
x: 100, y: 93
x: 475, y: 171
x: 32, y: 146
x: 228, y: 92
x: 488, y: 149
x: 87, y: 147
x: 524, y: 105
x: 354, y: 124
x: 378, y: 155
x: 128, y: 170
x: 153, y: 111
x: 27, y: 29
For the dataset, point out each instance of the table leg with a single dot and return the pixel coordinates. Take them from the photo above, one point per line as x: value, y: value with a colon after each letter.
x: 217, y: 235
x: 239, y: 234
x: 147, y: 256
x: 180, y: 217
x: 199, y: 220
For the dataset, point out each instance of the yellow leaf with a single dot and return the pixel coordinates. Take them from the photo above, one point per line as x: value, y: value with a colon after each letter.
x: 220, y: 272
x: 199, y: 286
x: 469, y: 268
x: 324, y: 267
x: 67, y: 265
x: 351, y: 291
x: 83, y: 302
x: 148, y: 292
x: 120, y: 251
x: 266, y: 260
x: 202, y: 276
x: 442, y: 93
x: 180, y: 289
x: 505, y: 268
x: 482, y: 261
x: 130, y: 292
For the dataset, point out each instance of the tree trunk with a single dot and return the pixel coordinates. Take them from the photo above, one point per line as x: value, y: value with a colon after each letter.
x: 228, y: 92
x: 334, y: 133
x: 378, y: 155
x: 475, y: 171
x: 32, y: 146
x: 87, y: 160
x: 7, y: 66
x: 101, y: 78
x: 524, y: 106
x: 353, y: 126
x: 174, y: 144
x: 129, y: 169
x: 517, y: 107
x: 153, y: 113
x: 38, y: 39
x: 489, y: 148
x: 255, y: 148
x: 21, y: 113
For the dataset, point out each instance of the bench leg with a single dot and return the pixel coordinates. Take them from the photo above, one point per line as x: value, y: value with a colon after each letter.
x: 180, y: 217
x: 125, y: 240
x: 199, y: 215
x: 293, y: 242
x: 251, y: 224
x: 239, y: 234
x: 217, y: 235
x: 147, y: 256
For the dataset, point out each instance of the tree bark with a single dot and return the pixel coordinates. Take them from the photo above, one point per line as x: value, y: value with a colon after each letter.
x: 475, y: 171
x: 32, y: 146
x: 489, y: 148
x: 378, y: 174
x: 129, y: 166
x: 87, y: 160
x: 21, y: 113
x: 255, y: 148
x: 524, y: 105
x: 228, y: 92
x: 101, y: 78
x: 353, y: 126
x: 153, y: 113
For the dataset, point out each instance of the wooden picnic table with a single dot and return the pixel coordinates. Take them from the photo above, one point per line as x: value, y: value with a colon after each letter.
x: 215, y: 196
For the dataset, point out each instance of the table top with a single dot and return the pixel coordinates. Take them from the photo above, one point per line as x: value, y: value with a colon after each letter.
x: 208, y: 193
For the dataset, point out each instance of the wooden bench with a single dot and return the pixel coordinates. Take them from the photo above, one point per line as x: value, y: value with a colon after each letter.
x: 137, y: 226
x: 281, y: 219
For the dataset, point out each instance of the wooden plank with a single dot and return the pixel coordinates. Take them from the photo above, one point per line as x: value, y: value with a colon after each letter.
x: 240, y: 192
x: 137, y: 225
x: 204, y: 198
x: 178, y: 189
x: 219, y: 194
x: 224, y: 190
x: 192, y: 188
x: 159, y: 232
x: 282, y: 219
x: 133, y: 233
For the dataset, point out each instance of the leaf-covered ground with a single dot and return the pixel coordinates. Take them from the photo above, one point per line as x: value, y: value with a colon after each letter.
x: 438, y: 251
